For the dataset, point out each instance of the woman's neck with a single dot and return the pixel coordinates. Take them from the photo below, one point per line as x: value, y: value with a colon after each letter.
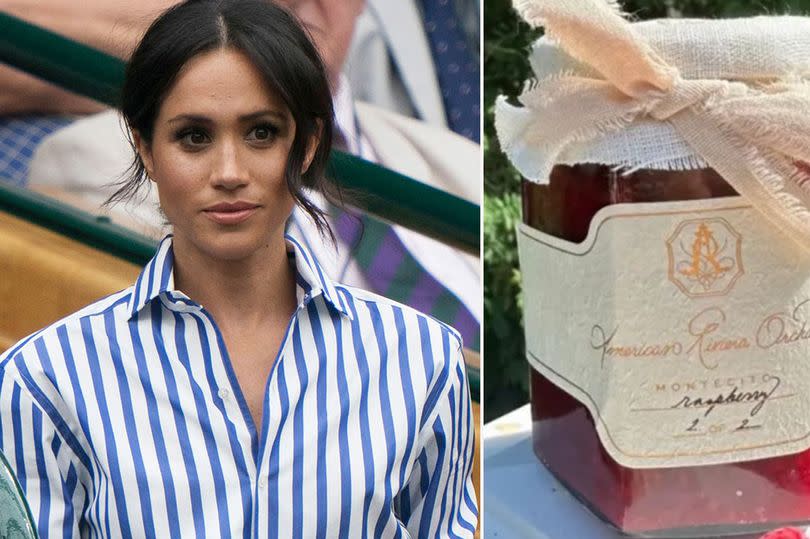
x: 243, y: 294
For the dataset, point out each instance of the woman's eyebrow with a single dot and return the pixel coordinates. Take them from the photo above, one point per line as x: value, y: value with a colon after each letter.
x: 260, y: 113
x: 200, y: 118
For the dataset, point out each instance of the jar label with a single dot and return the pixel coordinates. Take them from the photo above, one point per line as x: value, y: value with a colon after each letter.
x: 684, y: 327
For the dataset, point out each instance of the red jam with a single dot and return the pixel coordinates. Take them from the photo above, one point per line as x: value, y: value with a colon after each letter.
x: 700, y: 501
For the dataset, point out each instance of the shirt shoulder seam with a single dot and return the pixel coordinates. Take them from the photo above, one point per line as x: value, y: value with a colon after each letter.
x: 33, y: 392
x: 109, y: 302
x: 365, y: 296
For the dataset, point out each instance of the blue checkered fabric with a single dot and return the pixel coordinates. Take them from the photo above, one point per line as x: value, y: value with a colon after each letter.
x: 19, y: 138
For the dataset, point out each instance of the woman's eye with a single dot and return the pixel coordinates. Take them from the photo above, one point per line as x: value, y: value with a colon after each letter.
x: 263, y: 133
x: 196, y: 138
x: 193, y: 137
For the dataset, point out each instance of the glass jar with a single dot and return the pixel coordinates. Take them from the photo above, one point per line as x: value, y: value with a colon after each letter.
x: 731, y: 499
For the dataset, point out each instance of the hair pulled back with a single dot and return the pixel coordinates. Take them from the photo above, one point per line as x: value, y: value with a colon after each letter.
x: 279, y: 48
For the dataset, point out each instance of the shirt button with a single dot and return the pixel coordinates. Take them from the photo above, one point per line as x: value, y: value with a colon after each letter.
x: 263, y: 483
x: 224, y: 394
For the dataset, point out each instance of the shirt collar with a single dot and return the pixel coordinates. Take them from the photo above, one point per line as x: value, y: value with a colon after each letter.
x: 157, y: 278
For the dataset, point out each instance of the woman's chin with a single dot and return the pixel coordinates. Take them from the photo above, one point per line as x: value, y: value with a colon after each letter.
x: 231, y: 245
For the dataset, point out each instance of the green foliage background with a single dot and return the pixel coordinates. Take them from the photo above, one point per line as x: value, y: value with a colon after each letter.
x: 506, y: 42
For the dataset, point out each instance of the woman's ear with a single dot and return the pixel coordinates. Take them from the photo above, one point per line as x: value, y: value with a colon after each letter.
x: 312, y: 147
x: 144, y: 152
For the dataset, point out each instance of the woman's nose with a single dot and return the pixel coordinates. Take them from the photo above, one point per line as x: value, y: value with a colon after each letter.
x: 228, y: 171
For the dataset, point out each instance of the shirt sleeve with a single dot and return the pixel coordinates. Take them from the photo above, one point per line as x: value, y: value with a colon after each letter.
x: 439, y: 498
x: 43, y: 463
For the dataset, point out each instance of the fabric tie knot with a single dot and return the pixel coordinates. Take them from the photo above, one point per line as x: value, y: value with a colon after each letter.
x: 685, y: 94
x: 753, y: 131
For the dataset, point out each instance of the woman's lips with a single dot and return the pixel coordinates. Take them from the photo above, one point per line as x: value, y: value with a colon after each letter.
x: 225, y: 214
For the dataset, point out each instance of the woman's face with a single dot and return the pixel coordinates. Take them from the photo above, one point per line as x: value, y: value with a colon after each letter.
x: 218, y: 155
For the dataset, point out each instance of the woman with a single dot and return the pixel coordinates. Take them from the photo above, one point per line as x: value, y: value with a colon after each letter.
x: 234, y: 390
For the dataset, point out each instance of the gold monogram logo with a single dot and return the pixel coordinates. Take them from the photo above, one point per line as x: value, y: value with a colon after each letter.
x: 705, y: 257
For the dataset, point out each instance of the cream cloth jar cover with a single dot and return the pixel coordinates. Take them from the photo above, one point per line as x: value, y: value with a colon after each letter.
x: 733, y: 95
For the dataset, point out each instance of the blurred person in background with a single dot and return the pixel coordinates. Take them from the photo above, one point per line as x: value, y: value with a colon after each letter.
x: 77, y: 163
x: 394, y: 42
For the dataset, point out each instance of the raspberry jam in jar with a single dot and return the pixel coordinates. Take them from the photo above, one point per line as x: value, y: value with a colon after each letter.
x: 737, y: 498
x: 665, y: 262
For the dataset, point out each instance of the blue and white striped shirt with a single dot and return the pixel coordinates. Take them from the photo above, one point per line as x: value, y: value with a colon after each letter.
x: 125, y: 419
